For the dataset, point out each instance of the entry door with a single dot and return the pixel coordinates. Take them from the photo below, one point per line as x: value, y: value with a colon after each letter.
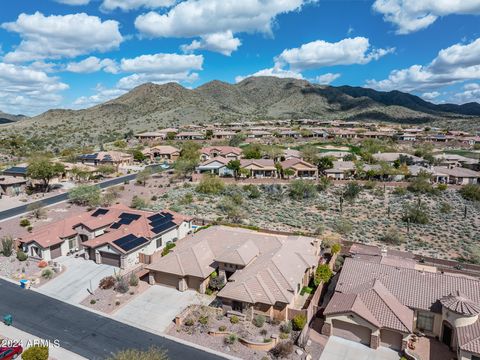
x: 447, y: 335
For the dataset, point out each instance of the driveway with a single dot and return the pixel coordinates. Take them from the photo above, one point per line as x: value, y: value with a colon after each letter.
x: 80, y: 275
x: 156, y: 308
x: 342, y: 349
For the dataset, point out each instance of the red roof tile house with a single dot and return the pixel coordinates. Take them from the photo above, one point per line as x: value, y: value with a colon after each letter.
x: 380, y: 303
x: 162, y: 153
x: 227, y: 152
x: 264, y: 272
x: 113, y: 236
x: 300, y: 168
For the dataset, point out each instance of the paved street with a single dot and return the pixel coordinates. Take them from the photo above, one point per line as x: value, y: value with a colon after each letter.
x: 157, y: 307
x: 342, y: 349
x: 72, y: 285
x: 85, y: 333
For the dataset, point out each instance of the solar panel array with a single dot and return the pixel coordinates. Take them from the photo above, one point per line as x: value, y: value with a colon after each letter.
x: 99, y: 212
x: 161, y: 222
x: 130, y: 242
x: 89, y: 156
x: 125, y: 219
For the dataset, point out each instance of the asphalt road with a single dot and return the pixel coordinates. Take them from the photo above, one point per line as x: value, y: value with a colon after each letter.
x: 85, y: 333
x: 62, y: 197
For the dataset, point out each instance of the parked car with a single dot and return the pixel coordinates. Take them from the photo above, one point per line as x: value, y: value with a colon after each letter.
x: 9, y: 353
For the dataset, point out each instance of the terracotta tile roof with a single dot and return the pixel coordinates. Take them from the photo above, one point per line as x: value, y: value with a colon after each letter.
x: 276, y: 263
x: 296, y: 163
x: 219, y: 159
x: 468, y: 337
x: 162, y: 149
x: 457, y: 172
x: 267, y: 164
x: 222, y: 150
x: 460, y: 304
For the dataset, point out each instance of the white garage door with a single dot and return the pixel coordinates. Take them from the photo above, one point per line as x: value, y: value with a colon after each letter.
x: 351, y: 331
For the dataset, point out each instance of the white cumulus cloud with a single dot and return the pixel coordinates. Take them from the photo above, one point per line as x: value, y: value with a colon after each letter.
x: 457, y: 63
x: 327, y: 78
x: 413, y: 15
x: 470, y: 93
x: 126, y: 5
x: 223, y: 43
x: 275, y: 71
x: 430, y: 95
x: 73, y: 2
x: 201, y: 18
x: 31, y: 90
x: 321, y: 53
x: 61, y: 36
x: 93, y: 64
x: 101, y: 95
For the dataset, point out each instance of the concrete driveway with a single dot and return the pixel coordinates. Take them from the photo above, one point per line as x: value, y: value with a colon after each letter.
x: 80, y: 274
x: 342, y: 349
x: 156, y: 308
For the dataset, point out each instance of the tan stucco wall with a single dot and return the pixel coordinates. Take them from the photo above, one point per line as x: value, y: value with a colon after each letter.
x: 353, y: 319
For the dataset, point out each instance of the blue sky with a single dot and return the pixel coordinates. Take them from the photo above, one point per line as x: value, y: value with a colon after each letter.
x: 77, y: 53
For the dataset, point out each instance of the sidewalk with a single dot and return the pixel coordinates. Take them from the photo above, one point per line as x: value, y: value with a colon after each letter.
x: 24, y: 338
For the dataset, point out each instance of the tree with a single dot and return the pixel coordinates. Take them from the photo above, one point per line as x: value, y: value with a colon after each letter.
x: 37, y: 210
x: 42, y: 168
x: 232, y: 211
x: 323, y: 274
x: 288, y: 172
x: 335, y: 248
x: 324, y: 163
x: 209, y: 134
x: 210, y: 184
x: 236, y: 139
x: 310, y: 154
x: 143, y: 176
x: 349, y: 157
x: 151, y: 354
x: 85, y: 195
x: 138, y: 155
x: 252, y: 151
x: 351, y: 191
x: 183, y: 167
x: 234, y: 165
x: 170, y: 135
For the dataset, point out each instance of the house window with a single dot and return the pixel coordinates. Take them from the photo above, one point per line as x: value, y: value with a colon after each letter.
x: 159, y: 242
x: 425, y: 321
x: 72, y: 243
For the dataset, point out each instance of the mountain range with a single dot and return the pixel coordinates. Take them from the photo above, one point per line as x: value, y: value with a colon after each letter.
x: 150, y: 106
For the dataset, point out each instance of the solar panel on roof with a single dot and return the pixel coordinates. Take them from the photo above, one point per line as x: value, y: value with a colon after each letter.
x: 115, y: 225
x: 129, y: 216
x: 130, y: 242
x: 99, y: 212
x: 165, y: 226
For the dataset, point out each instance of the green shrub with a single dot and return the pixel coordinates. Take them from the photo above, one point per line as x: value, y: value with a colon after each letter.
x: 222, y: 328
x: 282, y: 350
x: 47, y: 273
x: 252, y: 191
x: 234, y: 319
x: 151, y: 354
x: 442, y: 187
x: 168, y: 248
x: 392, y: 237
x: 230, y: 339
x: 210, y: 185
x: 302, y: 189
x: 133, y: 281
x: 203, y: 320
x: 93, y: 302
x: 343, y: 226
x: 445, y: 208
x: 24, y: 222
x: 258, y: 321
x: 335, y: 248
x: 306, y: 290
x: 322, y: 275
x: 351, y: 191
x: 138, y: 203
x: 471, y: 192
x: 286, y: 327
x: 416, y: 213
x: 122, y: 286
x: 284, y: 336
x: 21, y: 256
x: 400, y: 191
x: 36, y: 353
x: 189, y: 322
x: 85, y: 195
x: 7, y: 246
x: 299, y: 322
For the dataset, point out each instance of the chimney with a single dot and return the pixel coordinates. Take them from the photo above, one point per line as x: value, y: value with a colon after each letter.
x: 383, y: 252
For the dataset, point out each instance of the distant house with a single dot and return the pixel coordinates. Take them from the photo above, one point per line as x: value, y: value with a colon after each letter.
x: 263, y: 273
x: 459, y: 175
x: 300, y: 168
x: 223, y: 135
x: 390, y: 158
x: 290, y: 154
x: 12, y: 186
x: 114, y: 235
x: 190, y: 135
x: 17, y: 171
x: 258, y: 134
x: 153, y: 136
x: 259, y: 168
x: 162, y: 153
x: 228, y: 152
x: 215, y: 165
x: 114, y: 158
x: 382, y: 298
x: 341, y: 170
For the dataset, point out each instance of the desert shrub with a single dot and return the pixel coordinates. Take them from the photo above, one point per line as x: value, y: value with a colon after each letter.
x: 230, y: 339
x: 351, y: 191
x: 252, y: 191
x: 471, y: 192
x: 138, y: 203
x: 298, y: 322
x: 392, y: 237
x: 258, y: 321
x: 282, y: 350
x: 107, y: 282
x: 233, y: 212
x: 133, y: 281
x: 445, y: 208
x: 189, y: 322
x: 399, y: 191
x: 85, y: 195
x: 122, y: 286
x: 47, y: 273
x: 35, y: 353
x: 203, y: 320
x: 301, y: 189
x: 370, y: 185
x: 323, y: 183
x: 21, y: 256
x: 234, y: 319
x: 151, y: 354
x: 442, y: 187
x: 222, y: 328
x: 342, y: 226
x: 339, y: 262
x: 168, y: 248
x: 421, y: 184
x: 322, y: 274
x: 284, y: 336
x: 210, y: 185
x: 217, y: 282
x: 416, y: 213
x: 286, y: 327
x: 24, y: 222
x: 7, y: 246
x: 93, y: 302
x: 186, y: 199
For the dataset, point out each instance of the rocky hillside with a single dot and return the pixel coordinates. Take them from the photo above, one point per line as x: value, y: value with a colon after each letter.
x: 9, y: 118
x: 150, y: 106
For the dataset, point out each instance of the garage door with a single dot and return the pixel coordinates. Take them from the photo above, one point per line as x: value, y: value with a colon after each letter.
x: 166, y: 279
x: 391, y: 339
x: 110, y: 259
x: 194, y: 283
x: 351, y: 331
x: 56, y: 251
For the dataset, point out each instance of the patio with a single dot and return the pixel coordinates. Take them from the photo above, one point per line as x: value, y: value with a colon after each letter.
x: 431, y: 349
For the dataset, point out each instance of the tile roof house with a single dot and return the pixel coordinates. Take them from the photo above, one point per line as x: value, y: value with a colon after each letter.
x: 380, y: 303
x: 115, y: 158
x: 263, y: 272
x: 215, y: 165
x: 259, y: 168
x: 113, y: 235
x: 228, y: 152
x: 458, y: 175
x: 300, y: 168
x: 12, y: 185
x: 341, y: 170
x: 163, y: 153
